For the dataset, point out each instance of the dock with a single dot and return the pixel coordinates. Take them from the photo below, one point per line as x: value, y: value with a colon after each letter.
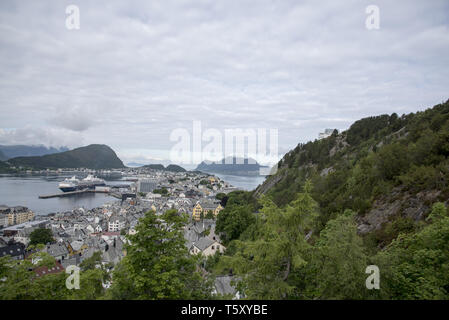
x: 70, y: 193
x: 110, y: 189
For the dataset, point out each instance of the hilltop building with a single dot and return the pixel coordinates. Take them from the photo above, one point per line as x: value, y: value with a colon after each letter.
x: 325, y: 134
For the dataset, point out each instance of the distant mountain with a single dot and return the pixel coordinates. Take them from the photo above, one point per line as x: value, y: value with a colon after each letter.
x: 2, y: 156
x: 8, y: 152
x: 154, y: 166
x: 170, y: 167
x: 94, y: 156
x: 231, y: 166
x: 175, y: 168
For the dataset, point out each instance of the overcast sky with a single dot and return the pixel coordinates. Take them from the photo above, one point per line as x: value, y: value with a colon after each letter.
x: 137, y: 70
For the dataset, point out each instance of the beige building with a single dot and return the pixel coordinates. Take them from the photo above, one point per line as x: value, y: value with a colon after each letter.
x: 17, y: 215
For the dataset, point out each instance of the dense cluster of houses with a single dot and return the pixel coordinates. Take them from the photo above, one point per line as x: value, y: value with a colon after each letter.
x: 80, y: 233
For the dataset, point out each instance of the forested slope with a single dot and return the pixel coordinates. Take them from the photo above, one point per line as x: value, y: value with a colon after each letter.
x: 375, y: 194
x: 385, y: 168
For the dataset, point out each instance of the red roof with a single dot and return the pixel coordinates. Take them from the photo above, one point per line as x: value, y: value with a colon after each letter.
x: 43, y: 270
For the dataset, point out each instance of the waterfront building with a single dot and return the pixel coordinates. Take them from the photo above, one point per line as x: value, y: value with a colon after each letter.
x: 3, y: 220
x: 146, y: 185
x: 19, y: 214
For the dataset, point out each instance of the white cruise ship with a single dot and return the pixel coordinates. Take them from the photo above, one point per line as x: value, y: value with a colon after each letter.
x: 74, y: 184
x: 69, y: 184
x: 90, y: 182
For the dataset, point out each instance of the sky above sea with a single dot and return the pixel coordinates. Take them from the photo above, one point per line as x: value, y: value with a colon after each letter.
x: 135, y: 71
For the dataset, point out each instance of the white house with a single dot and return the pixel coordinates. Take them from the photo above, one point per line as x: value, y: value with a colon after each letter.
x: 207, y: 247
x: 116, y: 223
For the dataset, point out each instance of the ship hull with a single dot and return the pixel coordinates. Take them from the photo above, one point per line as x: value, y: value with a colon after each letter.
x: 68, y: 189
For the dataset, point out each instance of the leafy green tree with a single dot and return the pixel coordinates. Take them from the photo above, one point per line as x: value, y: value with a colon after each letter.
x: 92, y: 262
x: 20, y: 282
x: 158, y: 264
x: 210, y: 215
x: 163, y: 191
x: 416, y: 266
x: 392, y: 160
x: 220, y: 196
x: 265, y: 265
x: 91, y: 285
x: 50, y: 287
x: 336, y: 264
x: 41, y: 236
x: 223, y: 197
x: 438, y: 212
x: 233, y: 221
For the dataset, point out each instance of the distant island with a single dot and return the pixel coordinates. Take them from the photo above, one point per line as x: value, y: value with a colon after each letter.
x: 170, y: 167
x: 94, y: 156
x: 230, y: 166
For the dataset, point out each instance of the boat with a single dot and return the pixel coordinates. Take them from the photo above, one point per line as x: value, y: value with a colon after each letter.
x: 69, y: 184
x: 74, y: 184
x: 91, y: 182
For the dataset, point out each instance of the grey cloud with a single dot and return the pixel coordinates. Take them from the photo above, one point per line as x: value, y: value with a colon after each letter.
x: 73, y: 118
x: 50, y: 137
x: 137, y: 70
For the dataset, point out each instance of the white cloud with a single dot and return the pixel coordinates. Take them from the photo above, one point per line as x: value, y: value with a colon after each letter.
x: 137, y: 70
x: 29, y: 135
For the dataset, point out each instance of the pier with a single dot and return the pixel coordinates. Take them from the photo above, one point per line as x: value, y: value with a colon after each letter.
x: 71, y: 193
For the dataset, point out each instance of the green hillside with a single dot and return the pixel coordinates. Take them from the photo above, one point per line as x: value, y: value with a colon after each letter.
x: 2, y: 156
x: 94, y: 156
x: 376, y: 194
x: 379, y: 160
x: 4, y: 167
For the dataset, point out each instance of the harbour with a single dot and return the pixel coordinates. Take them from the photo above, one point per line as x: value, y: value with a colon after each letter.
x: 42, y: 195
x: 71, y: 193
